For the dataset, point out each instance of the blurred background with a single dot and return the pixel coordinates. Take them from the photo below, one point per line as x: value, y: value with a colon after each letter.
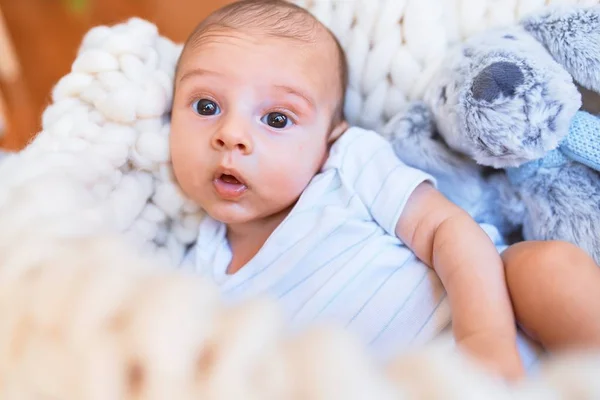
x: 39, y: 40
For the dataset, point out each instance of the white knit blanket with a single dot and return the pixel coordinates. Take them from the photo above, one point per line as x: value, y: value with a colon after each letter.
x: 86, y: 314
x: 394, y: 46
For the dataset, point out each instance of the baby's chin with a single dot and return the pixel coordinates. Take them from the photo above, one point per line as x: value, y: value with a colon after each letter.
x: 230, y: 213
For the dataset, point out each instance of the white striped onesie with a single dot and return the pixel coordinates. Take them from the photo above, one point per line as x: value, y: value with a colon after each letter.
x: 336, y: 258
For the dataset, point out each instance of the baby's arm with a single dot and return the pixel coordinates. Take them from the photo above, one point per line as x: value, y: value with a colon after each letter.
x: 447, y: 239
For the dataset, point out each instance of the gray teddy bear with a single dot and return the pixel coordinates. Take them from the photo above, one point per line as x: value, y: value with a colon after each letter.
x: 503, y: 128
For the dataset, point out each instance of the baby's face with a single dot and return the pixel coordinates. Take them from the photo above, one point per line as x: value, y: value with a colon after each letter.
x: 251, y: 122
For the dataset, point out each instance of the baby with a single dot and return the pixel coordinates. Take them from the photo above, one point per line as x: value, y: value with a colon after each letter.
x: 329, y: 221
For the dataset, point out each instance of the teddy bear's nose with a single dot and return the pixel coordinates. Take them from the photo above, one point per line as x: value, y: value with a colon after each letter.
x: 499, y: 78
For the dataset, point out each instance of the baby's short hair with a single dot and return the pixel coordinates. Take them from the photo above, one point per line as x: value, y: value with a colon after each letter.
x: 277, y: 18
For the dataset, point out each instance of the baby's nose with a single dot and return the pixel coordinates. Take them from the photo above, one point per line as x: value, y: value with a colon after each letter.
x: 231, y: 141
x: 499, y: 78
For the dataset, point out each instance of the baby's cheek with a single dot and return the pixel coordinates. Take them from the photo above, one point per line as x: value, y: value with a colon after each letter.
x: 295, y: 180
x: 190, y: 172
x: 288, y: 172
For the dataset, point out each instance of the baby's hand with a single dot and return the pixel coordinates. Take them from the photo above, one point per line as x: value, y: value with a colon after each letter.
x: 498, y: 353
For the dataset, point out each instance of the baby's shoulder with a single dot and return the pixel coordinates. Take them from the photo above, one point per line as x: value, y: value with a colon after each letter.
x: 360, y: 135
x: 354, y: 145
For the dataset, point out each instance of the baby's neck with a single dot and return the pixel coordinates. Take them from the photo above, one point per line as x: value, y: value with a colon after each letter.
x: 245, y: 240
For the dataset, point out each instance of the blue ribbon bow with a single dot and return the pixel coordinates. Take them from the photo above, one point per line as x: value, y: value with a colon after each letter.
x: 582, y: 145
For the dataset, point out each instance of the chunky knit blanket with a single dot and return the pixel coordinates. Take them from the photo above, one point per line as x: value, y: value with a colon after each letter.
x: 92, y: 305
x: 394, y: 46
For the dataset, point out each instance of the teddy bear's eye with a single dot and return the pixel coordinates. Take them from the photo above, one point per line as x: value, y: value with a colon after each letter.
x: 509, y: 37
x: 443, y: 96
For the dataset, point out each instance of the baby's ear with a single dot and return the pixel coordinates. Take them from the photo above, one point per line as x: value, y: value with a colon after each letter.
x: 337, y: 131
x: 572, y: 36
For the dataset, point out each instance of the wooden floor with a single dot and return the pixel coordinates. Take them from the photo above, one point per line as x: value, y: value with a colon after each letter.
x: 47, y: 33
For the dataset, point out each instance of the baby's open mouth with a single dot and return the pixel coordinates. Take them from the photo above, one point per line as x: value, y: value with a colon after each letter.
x: 230, y: 179
x: 229, y: 187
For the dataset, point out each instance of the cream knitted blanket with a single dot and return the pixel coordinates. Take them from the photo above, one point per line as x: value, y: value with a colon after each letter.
x: 394, y: 46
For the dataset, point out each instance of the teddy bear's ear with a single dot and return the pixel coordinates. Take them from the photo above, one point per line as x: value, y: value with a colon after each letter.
x: 572, y: 36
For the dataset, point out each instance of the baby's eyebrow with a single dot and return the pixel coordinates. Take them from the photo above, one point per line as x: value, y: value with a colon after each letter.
x: 297, y: 92
x: 198, y: 71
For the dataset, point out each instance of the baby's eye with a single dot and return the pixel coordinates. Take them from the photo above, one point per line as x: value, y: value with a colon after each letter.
x: 206, y: 107
x: 276, y: 120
